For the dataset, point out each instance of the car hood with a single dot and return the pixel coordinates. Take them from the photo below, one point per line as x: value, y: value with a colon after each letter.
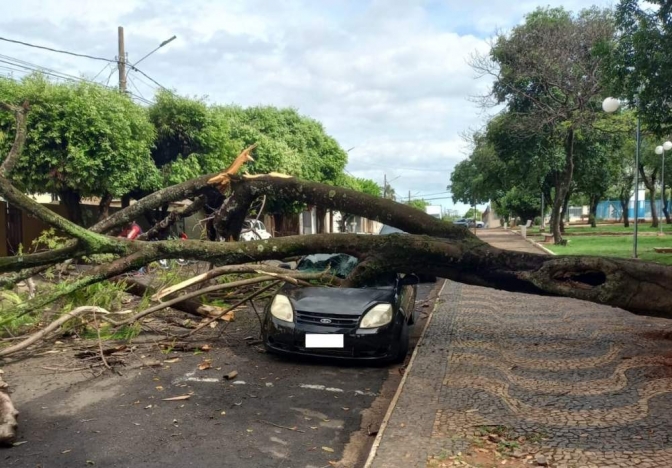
x: 346, y: 301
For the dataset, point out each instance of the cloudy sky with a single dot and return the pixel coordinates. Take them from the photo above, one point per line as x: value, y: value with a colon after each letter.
x: 388, y: 79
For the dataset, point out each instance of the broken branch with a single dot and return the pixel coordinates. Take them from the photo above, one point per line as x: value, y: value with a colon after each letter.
x: 50, y: 328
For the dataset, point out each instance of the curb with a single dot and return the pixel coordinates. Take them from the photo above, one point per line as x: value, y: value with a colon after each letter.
x: 397, y: 394
x: 534, y: 243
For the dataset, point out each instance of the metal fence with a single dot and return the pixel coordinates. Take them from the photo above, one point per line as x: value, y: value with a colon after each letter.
x: 611, y: 210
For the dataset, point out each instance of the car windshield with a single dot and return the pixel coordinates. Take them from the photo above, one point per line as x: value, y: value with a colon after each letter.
x: 390, y: 230
x: 340, y: 265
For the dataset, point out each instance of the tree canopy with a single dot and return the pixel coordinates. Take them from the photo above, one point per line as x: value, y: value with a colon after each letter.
x: 83, y: 141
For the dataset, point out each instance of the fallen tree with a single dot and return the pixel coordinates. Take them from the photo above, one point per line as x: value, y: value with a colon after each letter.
x: 434, y: 247
x: 431, y: 247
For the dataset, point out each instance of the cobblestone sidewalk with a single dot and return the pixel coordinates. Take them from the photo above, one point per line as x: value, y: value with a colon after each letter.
x: 522, y: 380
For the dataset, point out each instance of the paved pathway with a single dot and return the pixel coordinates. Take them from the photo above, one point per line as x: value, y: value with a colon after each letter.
x: 530, y: 380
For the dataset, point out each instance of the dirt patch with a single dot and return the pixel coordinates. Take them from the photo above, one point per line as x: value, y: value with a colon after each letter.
x: 494, y: 446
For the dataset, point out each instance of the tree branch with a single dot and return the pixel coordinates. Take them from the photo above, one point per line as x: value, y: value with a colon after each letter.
x: 19, y: 139
x: 172, y: 218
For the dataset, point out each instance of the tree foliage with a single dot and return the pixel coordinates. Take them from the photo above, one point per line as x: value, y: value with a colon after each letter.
x: 420, y: 204
x: 83, y: 140
x: 548, y: 73
x: 640, y: 66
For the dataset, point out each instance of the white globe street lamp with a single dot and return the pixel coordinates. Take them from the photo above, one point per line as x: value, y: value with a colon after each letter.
x: 611, y: 105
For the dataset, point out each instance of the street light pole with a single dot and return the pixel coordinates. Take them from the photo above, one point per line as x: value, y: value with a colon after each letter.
x: 166, y: 42
x: 639, y: 141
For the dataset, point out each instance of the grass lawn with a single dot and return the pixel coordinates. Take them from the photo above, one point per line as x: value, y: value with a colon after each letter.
x: 642, y: 227
x: 616, y: 247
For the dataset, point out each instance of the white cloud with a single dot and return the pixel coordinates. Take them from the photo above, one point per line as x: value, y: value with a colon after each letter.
x: 388, y: 78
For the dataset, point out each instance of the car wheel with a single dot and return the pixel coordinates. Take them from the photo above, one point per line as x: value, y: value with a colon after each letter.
x: 404, y: 343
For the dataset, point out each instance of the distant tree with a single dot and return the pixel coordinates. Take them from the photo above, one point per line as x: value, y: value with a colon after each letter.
x: 84, y: 141
x: 548, y: 73
x: 419, y: 204
x: 639, y: 68
x: 473, y: 213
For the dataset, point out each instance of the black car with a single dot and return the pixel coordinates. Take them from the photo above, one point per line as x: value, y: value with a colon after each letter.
x: 369, y: 323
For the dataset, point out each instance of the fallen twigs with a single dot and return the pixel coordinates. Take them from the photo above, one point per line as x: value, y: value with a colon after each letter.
x: 242, y: 301
x: 50, y: 328
x: 218, y: 287
x: 231, y: 269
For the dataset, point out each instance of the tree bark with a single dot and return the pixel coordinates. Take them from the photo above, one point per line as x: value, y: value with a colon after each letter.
x: 594, y: 200
x: 666, y: 206
x: 563, y: 212
x: 562, y: 189
x: 104, y: 206
x: 650, y: 183
x: 8, y: 416
x: 625, y: 201
x: 72, y: 202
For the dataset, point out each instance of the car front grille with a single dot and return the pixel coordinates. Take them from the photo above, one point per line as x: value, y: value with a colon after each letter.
x: 327, y: 320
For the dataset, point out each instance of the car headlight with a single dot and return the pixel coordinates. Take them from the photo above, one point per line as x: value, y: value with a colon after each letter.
x: 377, y: 316
x: 282, y: 309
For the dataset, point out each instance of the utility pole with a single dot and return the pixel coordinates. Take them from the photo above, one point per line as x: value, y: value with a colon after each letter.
x: 409, y: 196
x: 384, y: 185
x: 122, y: 61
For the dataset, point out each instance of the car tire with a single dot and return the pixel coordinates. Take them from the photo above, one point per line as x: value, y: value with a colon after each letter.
x: 404, y: 343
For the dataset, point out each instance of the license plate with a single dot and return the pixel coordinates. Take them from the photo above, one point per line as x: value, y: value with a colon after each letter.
x: 324, y: 341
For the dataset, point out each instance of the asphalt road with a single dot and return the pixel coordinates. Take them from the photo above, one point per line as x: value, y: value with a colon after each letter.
x: 276, y: 413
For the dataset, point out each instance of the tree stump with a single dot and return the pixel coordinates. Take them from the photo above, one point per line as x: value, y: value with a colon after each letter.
x: 8, y: 415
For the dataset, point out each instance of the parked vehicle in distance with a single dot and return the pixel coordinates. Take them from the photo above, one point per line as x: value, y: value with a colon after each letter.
x: 470, y: 223
x: 253, y: 229
x: 367, y: 323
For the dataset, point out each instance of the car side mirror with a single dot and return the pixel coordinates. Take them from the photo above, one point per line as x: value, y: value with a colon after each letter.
x: 409, y: 280
x: 285, y: 266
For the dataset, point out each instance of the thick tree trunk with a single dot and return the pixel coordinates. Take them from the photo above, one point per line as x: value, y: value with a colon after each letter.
x: 594, y: 200
x: 562, y: 190
x: 8, y: 416
x: 624, y: 207
x: 104, y: 206
x: 564, y: 216
x: 650, y: 183
x: 666, y: 206
x: 72, y: 202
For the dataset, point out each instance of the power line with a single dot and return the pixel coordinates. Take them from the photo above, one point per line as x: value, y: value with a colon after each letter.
x: 399, y: 167
x: 27, y: 44
x: 141, y: 80
x: 101, y: 71
x: 132, y: 67
x: 75, y: 54
x: 430, y: 194
x: 135, y: 87
x: 14, y: 62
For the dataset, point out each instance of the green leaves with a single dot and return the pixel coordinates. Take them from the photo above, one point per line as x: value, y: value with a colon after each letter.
x: 81, y: 137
